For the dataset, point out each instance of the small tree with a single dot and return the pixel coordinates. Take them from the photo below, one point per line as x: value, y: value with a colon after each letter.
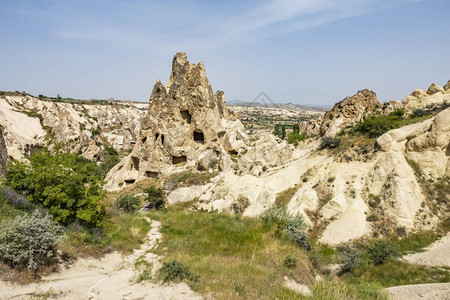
x: 66, y: 184
x: 128, y: 203
x: 155, y: 197
x: 382, y: 251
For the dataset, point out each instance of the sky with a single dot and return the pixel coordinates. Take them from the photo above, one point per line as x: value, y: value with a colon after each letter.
x: 313, y: 52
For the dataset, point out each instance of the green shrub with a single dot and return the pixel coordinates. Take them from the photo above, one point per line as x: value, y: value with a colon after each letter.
x: 291, y: 226
x: 372, y: 218
x: 400, y: 112
x: 128, y: 203
x: 155, y: 197
x: 418, y: 113
x: 290, y: 261
x: 300, y: 239
x: 382, y: 251
x: 376, y: 125
x: 66, y: 184
x: 175, y: 270
x: 29, y: 240
x: 329, y: 142
x: 349, y: 260
x: 295, y: 137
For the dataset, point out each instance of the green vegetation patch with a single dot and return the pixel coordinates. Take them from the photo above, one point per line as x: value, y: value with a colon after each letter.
x: 189, y: 178
x: 233, y: 256
x: 64, y: 183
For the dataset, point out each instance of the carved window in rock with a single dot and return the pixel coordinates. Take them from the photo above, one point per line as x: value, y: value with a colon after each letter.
x: 199, y: 137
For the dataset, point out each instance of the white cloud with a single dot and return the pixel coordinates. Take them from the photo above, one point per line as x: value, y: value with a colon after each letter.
x: 175, y: 24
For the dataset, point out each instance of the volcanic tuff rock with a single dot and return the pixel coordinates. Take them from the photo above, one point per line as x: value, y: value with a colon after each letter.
x: 348, y: 112
x: 3, y: 153
x: 435, y: 95
x: 82, y: 126
x: 186, y: 124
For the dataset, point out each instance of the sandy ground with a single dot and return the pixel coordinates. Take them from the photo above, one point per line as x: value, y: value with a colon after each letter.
x: 432, y: 291
x: 112, y: 277
x: 438, y: 254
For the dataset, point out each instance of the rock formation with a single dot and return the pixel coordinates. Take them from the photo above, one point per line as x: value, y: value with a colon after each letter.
x: 186, y: 124
x: 348, y: 112
x: 420, y: 99
x: 3, y: 153
x: 82, y: 126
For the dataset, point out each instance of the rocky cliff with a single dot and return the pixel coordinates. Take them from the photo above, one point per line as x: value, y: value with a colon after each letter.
x: 186, y: 125
x: 356, y: 108
x: 82, y: 126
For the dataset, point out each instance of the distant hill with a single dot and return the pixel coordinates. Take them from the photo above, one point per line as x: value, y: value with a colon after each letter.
x: 290, y: 106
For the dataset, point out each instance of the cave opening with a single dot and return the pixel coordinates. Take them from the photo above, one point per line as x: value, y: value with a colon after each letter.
x: 186, y: 116
x: 179, y: 159
x: 199, y: 137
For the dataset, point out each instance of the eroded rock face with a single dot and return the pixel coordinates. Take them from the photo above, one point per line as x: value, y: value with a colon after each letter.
x: 186, y: 124
x: 3, y: 153
x: 434, y: 96
x: 30, y: 122
x: 348, y: 112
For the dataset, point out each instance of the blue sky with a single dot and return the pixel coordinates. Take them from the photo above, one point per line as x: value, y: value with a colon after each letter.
x: 304, y: 51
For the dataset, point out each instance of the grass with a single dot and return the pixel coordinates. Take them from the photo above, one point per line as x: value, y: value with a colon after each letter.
x: 285, y: 196
x: 189, y: 178
x: 123, y: 232
x: 235, y: 257
x: 395, y: 273
x: 415, y: 242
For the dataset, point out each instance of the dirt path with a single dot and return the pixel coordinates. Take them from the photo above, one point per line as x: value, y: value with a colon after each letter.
x: 432, y: 291
x: 112, y: 277
x: 438, y: 254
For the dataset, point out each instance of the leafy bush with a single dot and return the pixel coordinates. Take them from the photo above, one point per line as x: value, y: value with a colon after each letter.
x: 64, y: 183
x: 400, y: 112
x: 372, y: 218
x: 375, y: 125
x: 128, y: 203
x: 329, y: 142
x: 300, y: 239
x: 349, y: 260
x: 418, y: 113
x: 292, y: 226
x: 290, y: 261
x: 155, y: 197
x: 29, y: 240
x: 175, y: 270
x: 295, y: 137
x: 382, y: 251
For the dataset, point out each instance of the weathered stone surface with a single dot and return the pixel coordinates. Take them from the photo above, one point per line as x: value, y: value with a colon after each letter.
x: 348, y: 112
x: 391, y: 107
x: 311, y: 127
x: 447, y: 86
x: 427, y: 142
x: 434, y: 88
x: 3, y: 153
x: 185, y: 122
x: 420, y: 99
x: 83, y: 127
